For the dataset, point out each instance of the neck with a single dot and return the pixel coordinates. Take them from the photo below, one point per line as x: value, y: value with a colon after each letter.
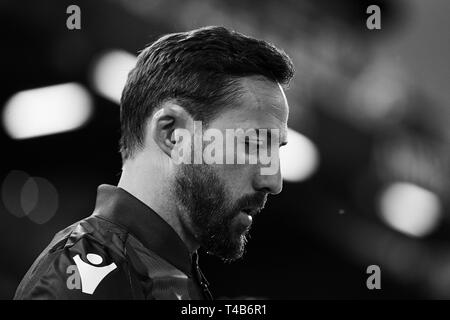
x: 153, y: 188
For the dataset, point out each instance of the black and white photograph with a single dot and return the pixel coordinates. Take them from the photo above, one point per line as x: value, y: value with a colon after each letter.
x: 225, y: 153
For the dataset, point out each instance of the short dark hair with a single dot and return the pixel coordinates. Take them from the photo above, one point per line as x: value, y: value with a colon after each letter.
x: 199, y: 69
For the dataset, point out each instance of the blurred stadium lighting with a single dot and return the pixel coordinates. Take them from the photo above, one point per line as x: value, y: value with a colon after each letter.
x: 410, y: 209
x: 299, y: 158
x: 379, y: 93
x: 48, y: 110
x: 110, y: 71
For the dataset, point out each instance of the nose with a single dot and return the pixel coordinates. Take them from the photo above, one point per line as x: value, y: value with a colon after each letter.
x: 272, y: 184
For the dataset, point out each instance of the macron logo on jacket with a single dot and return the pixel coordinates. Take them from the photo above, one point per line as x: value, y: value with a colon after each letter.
x: 90, y: 274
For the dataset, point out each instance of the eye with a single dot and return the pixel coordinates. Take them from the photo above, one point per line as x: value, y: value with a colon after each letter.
x: 252, y: 142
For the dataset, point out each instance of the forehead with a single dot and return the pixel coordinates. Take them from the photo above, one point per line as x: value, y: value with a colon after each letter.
x: 262, y: 104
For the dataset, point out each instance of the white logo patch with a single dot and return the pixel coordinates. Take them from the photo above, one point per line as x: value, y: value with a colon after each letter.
x: 90, y: 275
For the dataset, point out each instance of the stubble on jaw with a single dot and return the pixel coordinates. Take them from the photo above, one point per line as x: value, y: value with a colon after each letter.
x: 207, y: 210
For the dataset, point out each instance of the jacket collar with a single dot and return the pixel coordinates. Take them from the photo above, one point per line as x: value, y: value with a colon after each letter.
x: 120, y: 207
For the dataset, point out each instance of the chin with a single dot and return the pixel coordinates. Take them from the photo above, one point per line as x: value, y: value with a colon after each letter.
x: 238, y: 250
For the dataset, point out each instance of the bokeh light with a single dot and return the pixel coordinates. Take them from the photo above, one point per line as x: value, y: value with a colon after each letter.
x: 410, y: 209
x: 48, y: 110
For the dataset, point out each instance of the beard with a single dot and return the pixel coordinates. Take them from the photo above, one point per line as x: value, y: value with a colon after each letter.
x: 210, y: 212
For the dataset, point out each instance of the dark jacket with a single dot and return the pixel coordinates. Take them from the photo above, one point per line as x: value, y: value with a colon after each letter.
x: 124, y: 250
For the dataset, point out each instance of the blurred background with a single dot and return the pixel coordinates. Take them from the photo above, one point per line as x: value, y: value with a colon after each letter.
x: 366, y: 169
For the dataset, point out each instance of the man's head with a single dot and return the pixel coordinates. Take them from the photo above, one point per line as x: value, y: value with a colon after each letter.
x: 223, y: 81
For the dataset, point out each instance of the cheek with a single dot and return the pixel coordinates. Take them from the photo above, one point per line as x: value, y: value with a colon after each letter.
x: 237, y: 178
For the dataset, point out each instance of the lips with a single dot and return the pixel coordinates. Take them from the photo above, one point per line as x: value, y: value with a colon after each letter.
x: 251, y: 211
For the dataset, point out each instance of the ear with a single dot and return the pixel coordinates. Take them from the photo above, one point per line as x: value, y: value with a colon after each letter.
x: 165, y: 121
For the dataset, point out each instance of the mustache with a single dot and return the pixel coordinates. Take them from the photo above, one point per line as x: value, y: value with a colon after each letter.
x: 257, y: 200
